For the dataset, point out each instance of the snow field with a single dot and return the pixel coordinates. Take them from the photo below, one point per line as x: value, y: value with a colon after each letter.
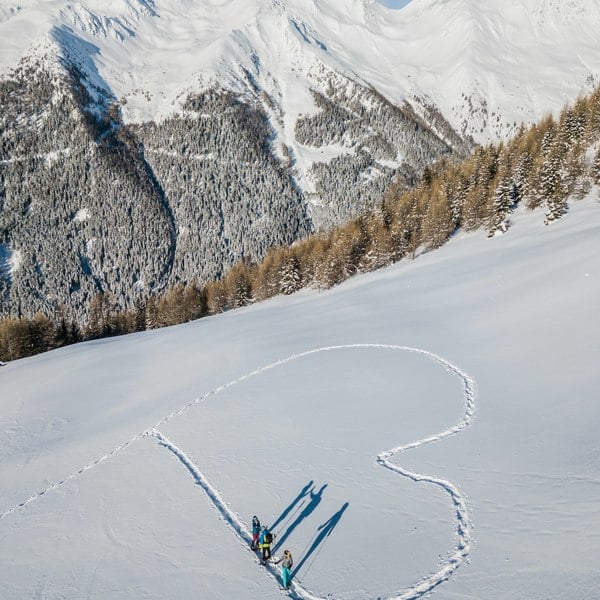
x: 300, y: 440
x: 384, y: 459
x: 132, y: 527
x: 332, y: 448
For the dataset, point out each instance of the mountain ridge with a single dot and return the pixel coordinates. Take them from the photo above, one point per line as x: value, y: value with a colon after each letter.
x: 154, y: 53
x: 207, y: 133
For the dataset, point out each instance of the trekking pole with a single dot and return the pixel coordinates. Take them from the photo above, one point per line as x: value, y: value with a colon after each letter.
x: 304, y: 550
x: 282, y: 526
x: 312, y: 562
x: 308, y: 543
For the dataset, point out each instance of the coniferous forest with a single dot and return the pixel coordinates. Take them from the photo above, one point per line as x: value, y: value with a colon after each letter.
x: 91, y: 205
x: 541, y: 167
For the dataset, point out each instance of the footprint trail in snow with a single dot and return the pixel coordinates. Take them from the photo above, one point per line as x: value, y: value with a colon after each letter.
x: 463, y: 546
x: 384, y: 459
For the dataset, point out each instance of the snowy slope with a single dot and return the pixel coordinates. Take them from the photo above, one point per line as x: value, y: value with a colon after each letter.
x: 485, y: 65
x: 287, y: 408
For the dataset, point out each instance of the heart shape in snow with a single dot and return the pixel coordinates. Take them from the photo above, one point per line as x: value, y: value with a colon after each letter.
x: 297, y: 514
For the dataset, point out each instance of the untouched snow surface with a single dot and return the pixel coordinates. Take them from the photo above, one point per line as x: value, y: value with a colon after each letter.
x: 132, y: 466
x: 487, y: 65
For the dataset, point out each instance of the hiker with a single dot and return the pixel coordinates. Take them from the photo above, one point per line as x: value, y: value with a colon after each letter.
x: 287, y: 562
x: 255, y: 532
x: 264, y: 543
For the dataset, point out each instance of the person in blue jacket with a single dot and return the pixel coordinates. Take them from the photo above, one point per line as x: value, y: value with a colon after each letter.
x: 264, y: 543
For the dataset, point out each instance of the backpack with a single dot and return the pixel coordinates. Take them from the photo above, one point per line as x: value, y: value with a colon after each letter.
x: 268, y: 537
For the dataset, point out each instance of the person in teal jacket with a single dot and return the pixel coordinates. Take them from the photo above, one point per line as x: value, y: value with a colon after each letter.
x: 287, y: 562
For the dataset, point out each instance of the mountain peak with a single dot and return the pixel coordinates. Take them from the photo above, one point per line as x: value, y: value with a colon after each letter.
x: 474, y: 62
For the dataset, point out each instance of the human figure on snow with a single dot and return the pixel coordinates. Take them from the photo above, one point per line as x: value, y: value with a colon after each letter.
x: 264, y: 543
x: 255, y: 532
x: 287, y: 562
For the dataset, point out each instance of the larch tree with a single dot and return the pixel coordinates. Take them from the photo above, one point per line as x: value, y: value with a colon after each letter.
x: 437, y: 221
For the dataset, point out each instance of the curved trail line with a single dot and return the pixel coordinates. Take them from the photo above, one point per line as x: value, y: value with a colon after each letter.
x: 383, y: 458
x: 416, y: 591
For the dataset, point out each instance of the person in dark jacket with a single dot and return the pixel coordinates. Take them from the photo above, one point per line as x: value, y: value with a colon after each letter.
x: 255, y: 532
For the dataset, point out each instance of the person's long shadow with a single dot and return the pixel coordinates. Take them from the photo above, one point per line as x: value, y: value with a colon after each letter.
x: 314, y: 501
x: 283, y: 516
x: 325, y: 531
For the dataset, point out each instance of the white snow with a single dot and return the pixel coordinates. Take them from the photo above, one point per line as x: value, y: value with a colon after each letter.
x: 306, y: 156
x: 132, y: 466
x: 10, y: 261
x: 82, y: 215
x: 486, y: 65
x: 49, y: 158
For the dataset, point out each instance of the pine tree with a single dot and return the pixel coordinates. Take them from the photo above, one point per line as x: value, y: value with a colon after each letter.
x: 194, y: 302
x: 61, y: 335
x: 290, y: 277
x: 405, y: 231
x: 548, y: 130
x: 98, y: 316
x: 576, y: 182
x: 170, y: 306
x: 216, y: 297
x: 13, y: 341
x: 505, y: 196
x: 596, y: 168
x: 477, y: 203
x: 357, y: 239
x: 140, y: 322
x: 592, y: 129
x: 40, y: 332
x: 454, y: 185
x: 75, y: 333
x: 336, y: 265
x: 551, y: 189
x: 378, y: 252
x: 151, y: 313
x: 266, y: 284
x: 238, y: 283
x: 573, y: 123
x: 311, y: 253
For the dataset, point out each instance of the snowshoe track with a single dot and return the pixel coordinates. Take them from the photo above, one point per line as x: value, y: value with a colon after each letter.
x: 384, y: 459
x: 463, y: 545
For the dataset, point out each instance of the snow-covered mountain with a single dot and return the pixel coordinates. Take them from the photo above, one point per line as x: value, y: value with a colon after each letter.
x: 376, y: 464
x: 149, y: 55
x: 148, y: 142
x: 484, y: 65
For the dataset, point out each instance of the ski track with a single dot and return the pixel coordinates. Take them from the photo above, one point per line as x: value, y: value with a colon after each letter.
x: 384, y: 459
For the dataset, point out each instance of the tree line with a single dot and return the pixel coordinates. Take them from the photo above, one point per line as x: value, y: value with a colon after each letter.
x: 541, y: 167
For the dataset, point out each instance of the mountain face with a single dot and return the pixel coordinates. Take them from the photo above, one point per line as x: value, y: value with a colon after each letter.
x: 147, y: 142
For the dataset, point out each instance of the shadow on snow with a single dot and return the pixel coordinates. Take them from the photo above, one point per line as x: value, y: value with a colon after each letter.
x: 299, y: 509
x: 306, y: 502
x: 319, y: 539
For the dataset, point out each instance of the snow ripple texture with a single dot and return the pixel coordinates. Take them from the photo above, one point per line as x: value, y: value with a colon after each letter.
x: 384, y: 458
